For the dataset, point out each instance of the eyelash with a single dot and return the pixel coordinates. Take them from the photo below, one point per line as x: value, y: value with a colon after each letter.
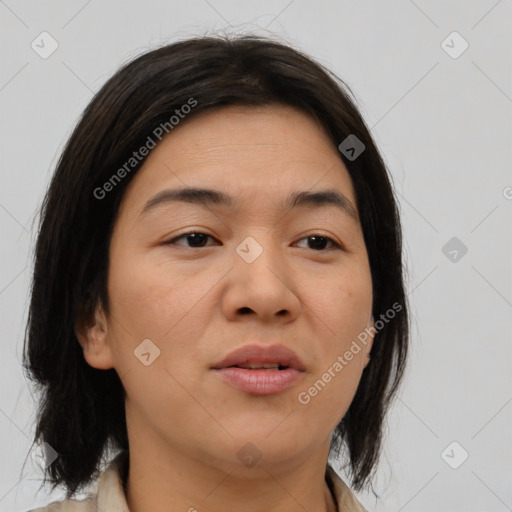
x: 183, y: 235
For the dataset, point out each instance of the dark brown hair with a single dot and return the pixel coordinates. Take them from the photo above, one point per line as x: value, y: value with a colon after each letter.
x: 81, y: 412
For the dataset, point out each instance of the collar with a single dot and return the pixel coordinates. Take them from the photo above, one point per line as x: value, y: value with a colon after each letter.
x: 343, y: 496
x: 111, y: 489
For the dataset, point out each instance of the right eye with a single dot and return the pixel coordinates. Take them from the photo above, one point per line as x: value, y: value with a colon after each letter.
x: 196, y: 238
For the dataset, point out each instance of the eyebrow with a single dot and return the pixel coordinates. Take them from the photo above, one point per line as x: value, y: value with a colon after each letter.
x: 206, y: 197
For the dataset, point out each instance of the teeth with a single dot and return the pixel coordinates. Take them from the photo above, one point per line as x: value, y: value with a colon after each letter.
x: 259, y: 365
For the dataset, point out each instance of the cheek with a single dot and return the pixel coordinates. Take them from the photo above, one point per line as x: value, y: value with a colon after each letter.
x: 342, y: 310
x: 343, y: 304
x: 168, y: 307
x: 150, y: 303
x: 326, y: 400
x: 149, y: 299
x: 158, y: 395
x: 136, y: 298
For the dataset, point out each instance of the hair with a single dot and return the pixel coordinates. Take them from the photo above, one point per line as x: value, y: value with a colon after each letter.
x: 81, y: 411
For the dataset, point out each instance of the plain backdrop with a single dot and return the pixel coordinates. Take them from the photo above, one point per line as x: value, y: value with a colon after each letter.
x: 441, y: 116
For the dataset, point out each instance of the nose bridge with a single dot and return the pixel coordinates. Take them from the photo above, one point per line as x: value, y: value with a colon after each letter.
x: 259, y: 254
x: 261, y: 279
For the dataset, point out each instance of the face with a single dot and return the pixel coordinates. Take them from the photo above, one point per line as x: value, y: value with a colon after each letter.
x: 259, y: 271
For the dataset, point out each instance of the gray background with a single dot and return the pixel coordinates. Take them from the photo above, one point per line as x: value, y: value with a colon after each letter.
x: 443, y: 125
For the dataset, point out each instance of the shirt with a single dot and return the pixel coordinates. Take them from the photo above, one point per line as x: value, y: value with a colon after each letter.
x: 108, y: 494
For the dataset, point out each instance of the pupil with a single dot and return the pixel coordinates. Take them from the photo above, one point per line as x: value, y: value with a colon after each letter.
x: 318, y: 242
x: 196, y: 239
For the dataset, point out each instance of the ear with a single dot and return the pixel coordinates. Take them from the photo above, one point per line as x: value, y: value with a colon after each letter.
x: 95, y: 341
x: 369, y: 343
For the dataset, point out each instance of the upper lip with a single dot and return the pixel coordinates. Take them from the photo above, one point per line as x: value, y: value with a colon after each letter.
x: 257, y: 354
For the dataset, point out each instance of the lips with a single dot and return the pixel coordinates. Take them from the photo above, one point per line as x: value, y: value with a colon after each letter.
x: 257, y: 357
x: 262, y: 371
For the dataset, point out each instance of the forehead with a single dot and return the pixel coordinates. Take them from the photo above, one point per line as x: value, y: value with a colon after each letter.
x: 273, y: 131
x: 251, y: 153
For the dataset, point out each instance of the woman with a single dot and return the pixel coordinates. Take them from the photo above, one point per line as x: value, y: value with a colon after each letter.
x: 218, y: 254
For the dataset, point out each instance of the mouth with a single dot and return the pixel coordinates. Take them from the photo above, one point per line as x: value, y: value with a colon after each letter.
x: 258, y: 370
x: 260, y: 366
x: 260, y: 381
x: 260, y: 357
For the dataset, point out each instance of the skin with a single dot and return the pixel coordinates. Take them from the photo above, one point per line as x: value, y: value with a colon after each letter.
x: 198, y: 303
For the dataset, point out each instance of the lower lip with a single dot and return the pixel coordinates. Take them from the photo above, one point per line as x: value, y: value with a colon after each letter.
x: 260, y: 382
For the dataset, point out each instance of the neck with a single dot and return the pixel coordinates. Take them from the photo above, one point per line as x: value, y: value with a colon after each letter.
x: 161, y: 480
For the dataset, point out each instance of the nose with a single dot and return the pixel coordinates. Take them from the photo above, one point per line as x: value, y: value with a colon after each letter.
x: 263, y: 289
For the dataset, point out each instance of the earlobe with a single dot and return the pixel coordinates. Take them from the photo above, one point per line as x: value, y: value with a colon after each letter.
x: 94, y: 340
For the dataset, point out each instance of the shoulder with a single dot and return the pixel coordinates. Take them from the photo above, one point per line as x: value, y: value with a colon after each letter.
x: 107, y: 493
x: 345, y: 499
x: 85, y: 505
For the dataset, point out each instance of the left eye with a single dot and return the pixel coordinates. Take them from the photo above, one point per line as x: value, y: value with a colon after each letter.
x: 198, y: 239
x: 319, y: 241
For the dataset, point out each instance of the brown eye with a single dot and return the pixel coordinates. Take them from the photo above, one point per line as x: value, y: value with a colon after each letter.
x: 318, y: 242
x: 195, y: 239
